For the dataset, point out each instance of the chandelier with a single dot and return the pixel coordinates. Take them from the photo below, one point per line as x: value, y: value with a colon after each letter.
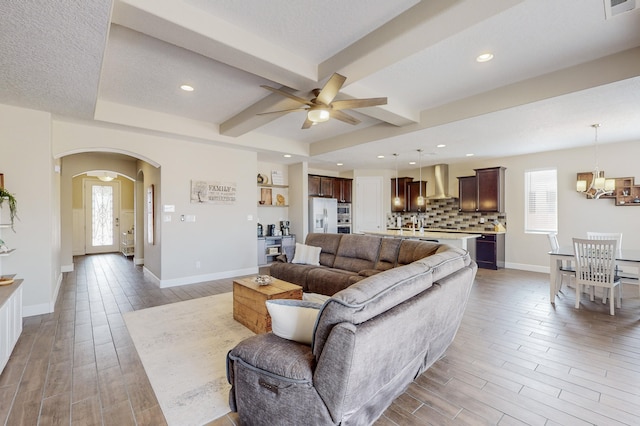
x: 597, y: 186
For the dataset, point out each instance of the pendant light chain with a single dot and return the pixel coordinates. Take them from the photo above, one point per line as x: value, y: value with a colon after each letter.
x: 420, y: 197
x: 397, y: 199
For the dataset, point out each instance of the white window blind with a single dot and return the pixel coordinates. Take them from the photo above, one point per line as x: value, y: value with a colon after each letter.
x: 541, y: 201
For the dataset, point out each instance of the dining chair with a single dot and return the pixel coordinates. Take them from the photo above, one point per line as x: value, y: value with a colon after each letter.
x: 626, y: 277
x: 566, y: 270
x: 595, y: 262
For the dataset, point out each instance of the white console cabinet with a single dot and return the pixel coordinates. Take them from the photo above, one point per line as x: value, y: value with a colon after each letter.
x: 10, y: 307
x: 10, y: 319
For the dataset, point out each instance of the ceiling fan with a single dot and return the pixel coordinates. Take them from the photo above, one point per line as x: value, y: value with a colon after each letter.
x: 323, y: 106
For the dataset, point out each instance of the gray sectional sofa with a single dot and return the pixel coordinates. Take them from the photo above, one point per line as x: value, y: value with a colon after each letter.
x: 348, y: 258
x: 370, y: 341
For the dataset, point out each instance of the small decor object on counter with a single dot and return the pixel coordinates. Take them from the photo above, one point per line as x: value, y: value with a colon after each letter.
x: 498, y: 227
x: 3, y: 247
x: 263, y: 279
x: 6, y: 280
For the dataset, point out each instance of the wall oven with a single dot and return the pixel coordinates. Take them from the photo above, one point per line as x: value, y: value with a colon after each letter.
x: 344, y: 218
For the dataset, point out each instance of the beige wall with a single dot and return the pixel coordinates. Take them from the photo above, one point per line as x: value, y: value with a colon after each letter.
x: 29, y: 173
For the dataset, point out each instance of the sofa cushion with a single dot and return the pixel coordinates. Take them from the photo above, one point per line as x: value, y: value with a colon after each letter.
x: 446, y: 260
x: 357, y: 252
x: 388, y: 257
x: 329, y: 281
x: 307, y: 255
x: 293, y: 273
x: 329, y: 244
x: 293, y: 319
x: 412, y: 250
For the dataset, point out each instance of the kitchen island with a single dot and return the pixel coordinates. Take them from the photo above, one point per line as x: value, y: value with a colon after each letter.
x: 456, y: 239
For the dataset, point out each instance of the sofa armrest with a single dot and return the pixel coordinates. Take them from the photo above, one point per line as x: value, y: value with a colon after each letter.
x: 275, y: 356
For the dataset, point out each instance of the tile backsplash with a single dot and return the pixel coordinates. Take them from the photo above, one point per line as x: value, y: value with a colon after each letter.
x: 445, y: 214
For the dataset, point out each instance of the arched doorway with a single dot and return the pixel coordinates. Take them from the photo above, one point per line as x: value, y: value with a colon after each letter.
x: 81, y: 171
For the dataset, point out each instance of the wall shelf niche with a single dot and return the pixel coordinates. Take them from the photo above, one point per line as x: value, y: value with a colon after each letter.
x: 273, y: 195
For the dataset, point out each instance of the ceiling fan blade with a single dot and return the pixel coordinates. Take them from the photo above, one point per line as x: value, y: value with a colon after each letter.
x: 284, y: 110
x: 307, y: 123
x: 358, y: 103
x: 288, y: 95
x: 331, y: 89
x: 343, y: 116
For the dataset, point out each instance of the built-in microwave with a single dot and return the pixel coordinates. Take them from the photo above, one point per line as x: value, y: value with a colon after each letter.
x: 344, y: 208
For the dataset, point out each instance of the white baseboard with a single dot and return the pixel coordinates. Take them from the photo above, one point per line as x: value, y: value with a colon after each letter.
x: 527, y: 267
x: 31, y: 310
x: 67, y: 268
x: 194, y: 279
x: 138, y: 260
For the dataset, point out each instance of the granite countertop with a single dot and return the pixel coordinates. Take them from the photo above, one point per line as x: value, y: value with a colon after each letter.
x: 427, y: 234
x: 449, y: 230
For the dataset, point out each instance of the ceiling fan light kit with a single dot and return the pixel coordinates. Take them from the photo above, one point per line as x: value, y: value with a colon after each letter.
x: 318, y: 115
x: 323, y: 107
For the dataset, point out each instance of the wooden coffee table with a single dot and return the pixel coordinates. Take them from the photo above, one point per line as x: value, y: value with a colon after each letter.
x: 249, y: 301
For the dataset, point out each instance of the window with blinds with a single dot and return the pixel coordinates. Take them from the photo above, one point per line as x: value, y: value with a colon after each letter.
x: 541, y: 201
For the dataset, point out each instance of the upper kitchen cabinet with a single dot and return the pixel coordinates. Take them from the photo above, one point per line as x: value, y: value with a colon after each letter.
x: 413, y: 193
x: 483, y: 192
x: 402, y: 192
x: 468, y: 193
x: 342, y: 189
x: 321, y: 186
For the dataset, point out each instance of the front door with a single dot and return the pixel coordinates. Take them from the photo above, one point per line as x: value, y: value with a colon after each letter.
x: 102, y: 222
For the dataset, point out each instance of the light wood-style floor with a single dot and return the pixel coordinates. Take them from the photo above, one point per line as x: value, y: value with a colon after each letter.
x: 516, y: 360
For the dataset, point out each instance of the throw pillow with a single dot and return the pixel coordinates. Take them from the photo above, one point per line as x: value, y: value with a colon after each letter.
x: 315, y: 297
x: 293, y: 319
x: 308, y: 255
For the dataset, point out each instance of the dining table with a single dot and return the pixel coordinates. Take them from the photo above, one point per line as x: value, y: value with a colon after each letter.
x: 625, y: 259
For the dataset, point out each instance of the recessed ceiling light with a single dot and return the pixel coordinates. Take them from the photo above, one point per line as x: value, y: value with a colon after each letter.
x: 412, y: 162
x: 440, y: 146
x: 470, y: 155
x: 339, y: 164
x: 287, y: 155
x: 187, y: 88
x: 380, y: 156
x: 485, y: 57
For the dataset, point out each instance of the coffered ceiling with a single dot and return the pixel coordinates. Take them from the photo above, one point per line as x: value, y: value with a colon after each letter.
x: 558, y: 67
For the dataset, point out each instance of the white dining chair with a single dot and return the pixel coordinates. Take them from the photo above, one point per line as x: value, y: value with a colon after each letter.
x: 595, y: 262
x: 626, y: 277
x: 566, y: 270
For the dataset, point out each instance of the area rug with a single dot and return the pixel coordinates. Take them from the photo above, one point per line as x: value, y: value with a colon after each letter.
x: 183, y: 348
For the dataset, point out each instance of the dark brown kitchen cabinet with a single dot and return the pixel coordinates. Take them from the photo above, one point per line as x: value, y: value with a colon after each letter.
x: 402, y: 188
x: 490, y: 189
x: 342, y: 189
x: 320, y: 186
x: 490, y: 251
x: 413, y: 192
x: 483, y: 192
x: 468, y: 193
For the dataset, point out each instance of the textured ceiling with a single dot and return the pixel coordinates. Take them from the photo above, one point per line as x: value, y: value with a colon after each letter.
x: 559, y: 66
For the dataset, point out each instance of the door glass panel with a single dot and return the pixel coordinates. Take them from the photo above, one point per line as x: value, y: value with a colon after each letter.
x: 102, y: 217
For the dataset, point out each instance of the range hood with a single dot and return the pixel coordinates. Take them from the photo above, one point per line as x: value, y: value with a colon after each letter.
x: 441, y: 172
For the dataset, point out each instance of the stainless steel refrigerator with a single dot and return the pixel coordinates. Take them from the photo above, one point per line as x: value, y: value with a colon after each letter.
x: 323, y: 215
